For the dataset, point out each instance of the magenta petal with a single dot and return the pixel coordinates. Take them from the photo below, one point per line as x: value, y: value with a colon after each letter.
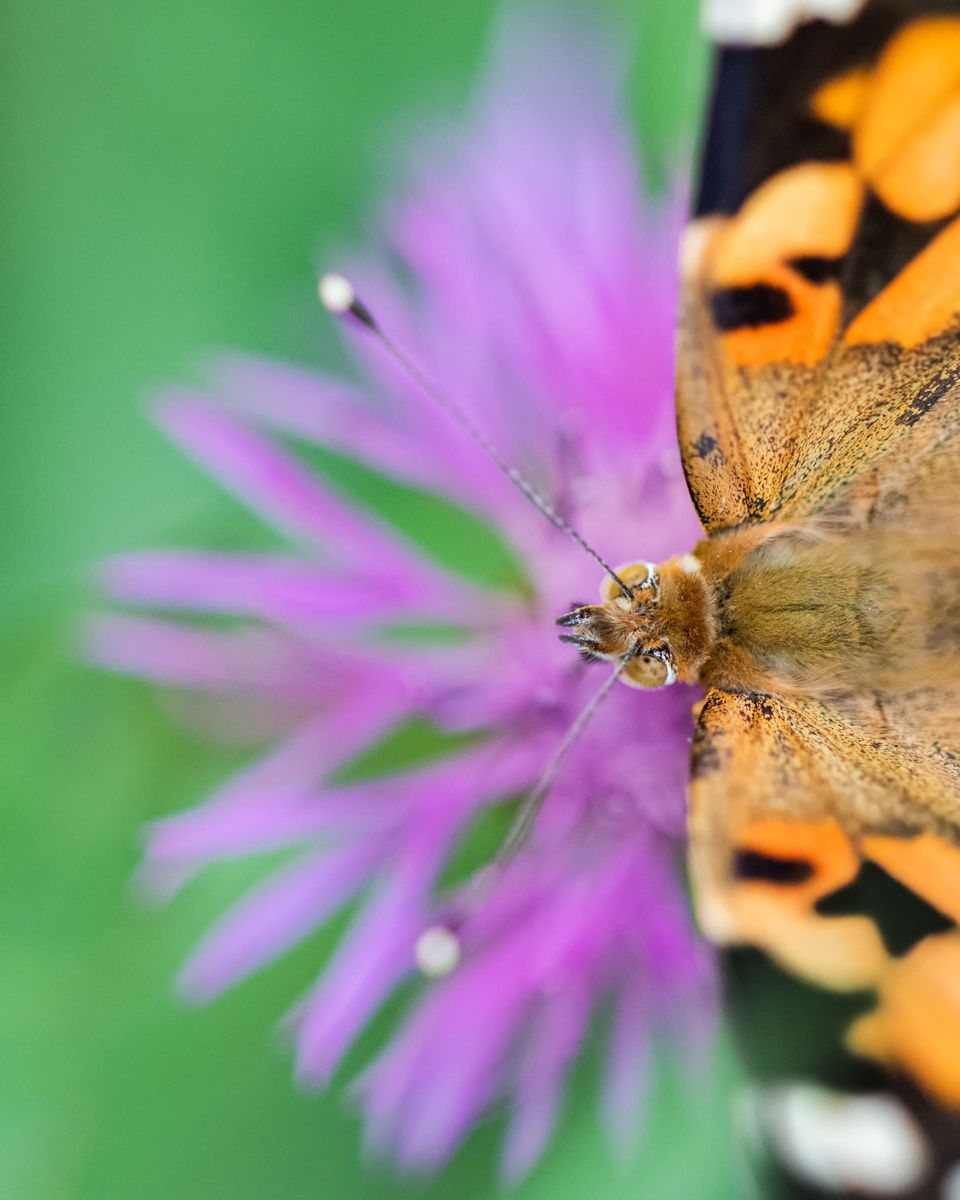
x: 272, y: 918
x: 458, y: 1037
x: 206, y: 659
x: 208, y: 833
x: 555, y: 1036
x: 367, y: 966
x: 276, y: 485
x: 276, y: 800
x: 367, y: 969
x: 627, y: 1075
x: 321, y: 744
x: 285, y: 398
x: 283, y: 590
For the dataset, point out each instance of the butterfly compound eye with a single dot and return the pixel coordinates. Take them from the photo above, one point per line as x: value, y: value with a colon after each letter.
x: 650, y: 671
x: 642, y: 578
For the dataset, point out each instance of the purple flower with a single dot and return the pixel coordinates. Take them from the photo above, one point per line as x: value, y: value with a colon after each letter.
x: 539, y: 293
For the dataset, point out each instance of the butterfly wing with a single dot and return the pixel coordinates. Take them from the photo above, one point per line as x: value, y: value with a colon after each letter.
x: 788, y: 797
x: 819, y: 340
x: 825, y: 834
x: 819, y: 386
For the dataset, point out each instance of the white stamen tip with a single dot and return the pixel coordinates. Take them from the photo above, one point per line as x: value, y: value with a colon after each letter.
x: 336, y: 293
x: 437, y: 951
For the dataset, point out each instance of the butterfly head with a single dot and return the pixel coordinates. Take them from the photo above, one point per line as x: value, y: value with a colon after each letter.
x: 661, y: 622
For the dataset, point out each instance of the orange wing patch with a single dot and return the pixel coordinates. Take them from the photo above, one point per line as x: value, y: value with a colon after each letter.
x: 820, y: 846
x: 793, y: 865
x: 921, y: 301
x: 906, y: 140
x: 904, y: 117
x: 804, y: 211
x: 768, y: 268
x: 916, y: 1025
x: 840, y: 101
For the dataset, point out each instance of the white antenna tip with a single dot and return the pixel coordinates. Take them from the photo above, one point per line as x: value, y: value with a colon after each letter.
x: 336, y: 293
x: 437, y: 951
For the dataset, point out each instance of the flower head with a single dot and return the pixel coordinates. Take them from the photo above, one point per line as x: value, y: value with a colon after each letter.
x: 540, y: 293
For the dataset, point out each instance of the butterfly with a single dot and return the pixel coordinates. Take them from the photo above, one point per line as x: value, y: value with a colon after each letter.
x: 818, y: 413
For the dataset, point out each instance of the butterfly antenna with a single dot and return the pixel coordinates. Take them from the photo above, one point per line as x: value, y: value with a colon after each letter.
x: 338, y: 297
x: 437, y: 949
x: 530, y: 808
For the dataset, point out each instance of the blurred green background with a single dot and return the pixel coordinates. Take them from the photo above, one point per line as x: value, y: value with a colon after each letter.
x: 171, y: 173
